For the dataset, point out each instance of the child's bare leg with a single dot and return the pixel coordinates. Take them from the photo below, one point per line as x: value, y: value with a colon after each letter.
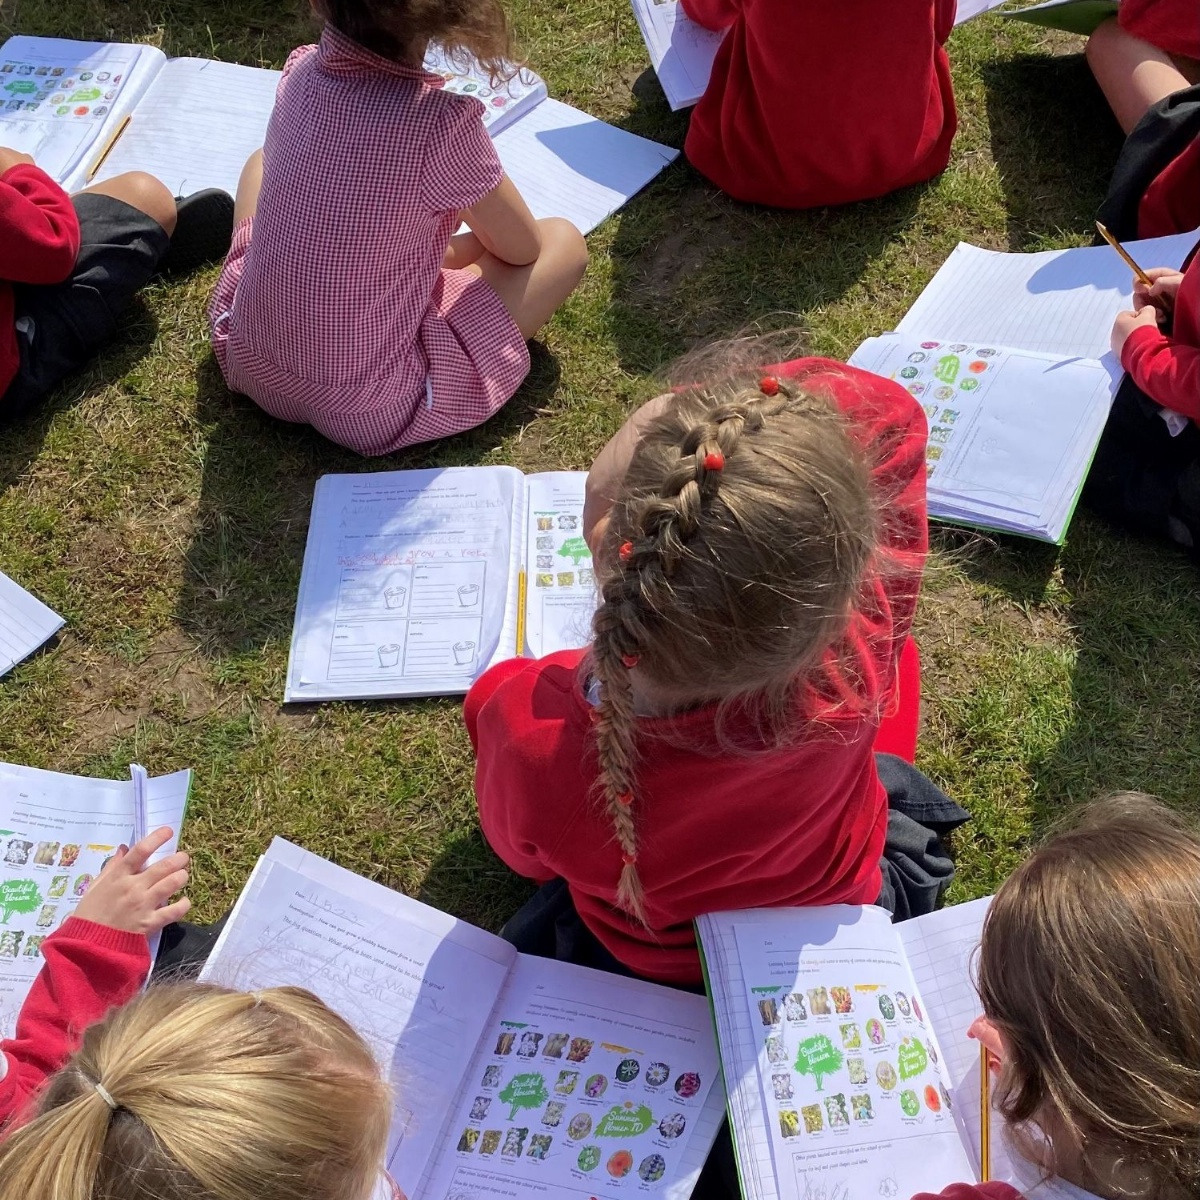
x: 1133, y: 74
x: 249, y: 185
x: 532, y: 293
x: 140, y: 191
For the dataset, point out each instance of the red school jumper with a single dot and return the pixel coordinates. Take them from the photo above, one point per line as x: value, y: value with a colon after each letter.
x: 39, y: 242
x: 1166, y: 368
x: 88, y: 969
x: 801, y: 825
x: 1171, y: 25
x: 815, y: 102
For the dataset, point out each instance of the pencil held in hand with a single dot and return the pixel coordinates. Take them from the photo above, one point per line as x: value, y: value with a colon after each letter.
x: 1112, y: 241
x: 985, y: 1118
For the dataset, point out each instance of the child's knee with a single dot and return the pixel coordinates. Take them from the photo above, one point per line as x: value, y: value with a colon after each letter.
x: 148, y: 195
x: 562, y: 241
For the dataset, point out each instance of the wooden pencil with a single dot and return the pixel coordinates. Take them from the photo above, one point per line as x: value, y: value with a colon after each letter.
x: 1112, y: 241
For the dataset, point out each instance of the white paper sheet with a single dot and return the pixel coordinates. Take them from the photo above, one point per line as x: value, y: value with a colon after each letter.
x: 1060, y: 302
x: 56, y: 833
x: 973, y: 8
x: 60, y: 99
x: 681, y: 52
x: 25, y: 623
x: 849, y: 1066
x: 584, y: 1079
x: 560, y: 593
x: 1011, y: 434
x: 566, y: 163
x: 409, y: 585
x: 420, y: 999
x: 196, y: 125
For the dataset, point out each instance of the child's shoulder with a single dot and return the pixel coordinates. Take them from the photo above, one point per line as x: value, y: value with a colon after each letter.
x: 521, y: 693
x: 869, y: 400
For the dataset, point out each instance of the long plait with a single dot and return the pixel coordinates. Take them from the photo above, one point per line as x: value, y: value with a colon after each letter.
x: 660, y: 526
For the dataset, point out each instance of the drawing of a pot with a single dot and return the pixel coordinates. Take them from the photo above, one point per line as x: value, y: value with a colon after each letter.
x: 464, y: 653
x: 468, y: 595
x: 389, y: 655
x: 393, y: 597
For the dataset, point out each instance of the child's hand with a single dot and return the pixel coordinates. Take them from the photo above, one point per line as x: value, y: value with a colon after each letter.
x: 1127, y: 322
x: 13, y: 158
x: 130, y: 896
x: 1162, y: 294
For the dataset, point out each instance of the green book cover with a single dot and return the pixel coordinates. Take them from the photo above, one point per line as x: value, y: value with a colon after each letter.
x: 1074, y: 16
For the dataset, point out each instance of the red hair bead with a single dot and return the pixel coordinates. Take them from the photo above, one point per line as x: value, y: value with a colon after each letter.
x: 625, y: 799
x: 626, y: 551
x: 769, y: 385
x: 714, y: 461
x: 629, y: 661
x: 629, y: 859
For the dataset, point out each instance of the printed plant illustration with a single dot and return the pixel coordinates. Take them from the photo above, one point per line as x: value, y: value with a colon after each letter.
x: 18, y: 896
x: 576, y: 550
x: 524, y: 1091
x: 819, y: 1057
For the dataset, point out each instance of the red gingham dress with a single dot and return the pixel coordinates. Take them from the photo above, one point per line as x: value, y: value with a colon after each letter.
x: 333, y: 309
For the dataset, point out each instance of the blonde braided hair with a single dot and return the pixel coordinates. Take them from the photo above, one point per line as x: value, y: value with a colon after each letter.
x: 730, y: 564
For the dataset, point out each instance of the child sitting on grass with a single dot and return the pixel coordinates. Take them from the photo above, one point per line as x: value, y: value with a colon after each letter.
x: 71, y: 265
x: 1087, y: 976
x: 815, y: 102
x: 347, y: 301
x: 758, y: 541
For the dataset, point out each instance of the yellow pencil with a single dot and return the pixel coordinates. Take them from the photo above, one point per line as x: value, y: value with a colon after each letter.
x: 1112, y: 241
x: 107, y: 150
x: 985, y: 1119
x: 522, y: 586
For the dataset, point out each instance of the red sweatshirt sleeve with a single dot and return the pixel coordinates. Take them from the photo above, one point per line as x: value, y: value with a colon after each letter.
x: 1168, y: 371
x: 88, y: 969
x: 973, y: 1191
x: 38, y: 226
x: 712, y: 14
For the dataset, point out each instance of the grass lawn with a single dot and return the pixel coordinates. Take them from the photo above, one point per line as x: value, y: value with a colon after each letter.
x: 165, y: 518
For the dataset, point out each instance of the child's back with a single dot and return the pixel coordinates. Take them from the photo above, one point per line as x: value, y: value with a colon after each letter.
x: 722, y: 805
x: 342, y: 304
x: 824, y: 101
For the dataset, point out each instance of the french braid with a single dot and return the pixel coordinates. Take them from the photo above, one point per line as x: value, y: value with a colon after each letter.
x: 657, y: 527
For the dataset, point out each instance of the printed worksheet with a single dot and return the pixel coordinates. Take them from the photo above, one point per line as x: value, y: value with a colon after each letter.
x: 561, y: 589
x: 503, y: 100
x: 25, y: 623
x: 849, y: 1067
x: 418, y: 998
x: 409, y: 584
x: 582, y: 1090
x: 681, y: 52
x: 56, y: 833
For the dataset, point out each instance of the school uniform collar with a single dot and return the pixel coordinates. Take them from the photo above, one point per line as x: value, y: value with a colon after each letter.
x: 342, y: 55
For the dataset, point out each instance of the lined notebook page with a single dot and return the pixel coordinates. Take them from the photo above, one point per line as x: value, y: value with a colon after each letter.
x: 568, y: 164
x: 1059, y: 302
x: 738, y: 1043
x: 197, y: 125
x: 25, y: 623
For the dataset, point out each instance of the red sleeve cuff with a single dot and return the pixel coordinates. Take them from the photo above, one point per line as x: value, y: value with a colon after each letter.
x: 103, y: 937
x: 1140, y: 340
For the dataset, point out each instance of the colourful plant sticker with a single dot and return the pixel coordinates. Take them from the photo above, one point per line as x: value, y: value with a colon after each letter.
x: 589, y: 1158
x: 912, y: 1059
x: 626, y: 1120
x: 909, y: 1103
x: 969, y: 385
x: 18, y: 896
x: 946, y: 368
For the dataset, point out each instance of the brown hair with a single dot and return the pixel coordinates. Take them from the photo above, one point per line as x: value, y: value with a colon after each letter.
x: 735, y: 581
x: 464, y: 28
x: 1089, y: 966
x: 218, y: 1095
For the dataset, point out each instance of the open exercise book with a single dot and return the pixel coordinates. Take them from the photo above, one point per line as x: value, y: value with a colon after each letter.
x: 1008, y: 354
x: 1075, y: 16
x: 25, y: 623
x: 682, y: 52
x: 193, y: 123
x: 415, y: 582
x: 513, y: 1076
x: 56, y: 833
x: 844, y: 1046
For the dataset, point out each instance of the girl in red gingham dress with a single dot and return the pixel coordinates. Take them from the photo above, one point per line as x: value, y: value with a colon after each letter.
x: 347, y: 301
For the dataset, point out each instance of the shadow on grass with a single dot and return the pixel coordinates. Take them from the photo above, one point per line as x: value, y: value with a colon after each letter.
x: 1054, y: 141
x: 690, y: 265
x: 243, y: 565
x: 1133, y: 607
x: 21, y: 442
x: 468, y: 880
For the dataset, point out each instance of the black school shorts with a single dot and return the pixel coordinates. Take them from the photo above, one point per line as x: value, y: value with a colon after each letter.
x: 61, y: 326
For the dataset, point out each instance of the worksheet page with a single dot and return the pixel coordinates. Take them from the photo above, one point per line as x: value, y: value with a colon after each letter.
x: 560, y: 583
x: 196, y: 125
x: 410, y: 582
x: 681, y: 51
x: 585, y: 1084
x: 56, y: 833
x: 25, y: 623
x: 420, y: 999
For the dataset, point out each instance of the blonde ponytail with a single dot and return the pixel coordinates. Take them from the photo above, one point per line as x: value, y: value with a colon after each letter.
x: 216, y: 1095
